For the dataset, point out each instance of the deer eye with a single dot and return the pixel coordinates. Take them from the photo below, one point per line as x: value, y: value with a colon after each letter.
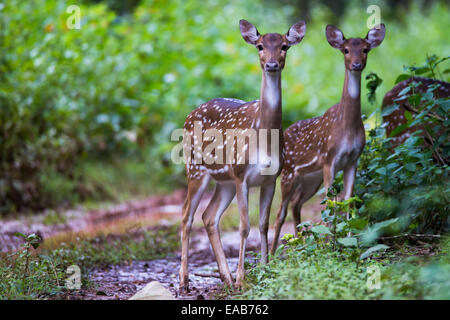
x: 284, y: 48
x: 346, y: 51
x: 260, y: 47
x: 365, y: 50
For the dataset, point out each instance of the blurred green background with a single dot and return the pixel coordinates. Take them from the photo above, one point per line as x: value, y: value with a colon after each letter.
x: 87, y: 114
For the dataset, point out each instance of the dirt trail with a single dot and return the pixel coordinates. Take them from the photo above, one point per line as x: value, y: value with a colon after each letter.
x: 122, y: 281
x: 150, y: 210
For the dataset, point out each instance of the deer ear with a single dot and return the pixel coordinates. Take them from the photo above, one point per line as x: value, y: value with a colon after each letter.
x: 334, y: 36
x: 376, y: 35
x: 248, y: 32
x: 296, y: 33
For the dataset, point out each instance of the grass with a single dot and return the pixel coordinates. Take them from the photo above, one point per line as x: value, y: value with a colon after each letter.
x: 321, y: 273
x: 118, y: 179
x: 53, y: 217
x: 41, y: 273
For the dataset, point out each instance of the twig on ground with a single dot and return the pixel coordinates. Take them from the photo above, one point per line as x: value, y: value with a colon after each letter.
x: 207, y: 275
x: 412, y: 236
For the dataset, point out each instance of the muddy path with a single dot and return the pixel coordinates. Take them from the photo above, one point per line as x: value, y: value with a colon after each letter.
x: 124, y: 280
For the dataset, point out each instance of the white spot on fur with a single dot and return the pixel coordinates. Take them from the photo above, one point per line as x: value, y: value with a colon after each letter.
x: 307, y: 164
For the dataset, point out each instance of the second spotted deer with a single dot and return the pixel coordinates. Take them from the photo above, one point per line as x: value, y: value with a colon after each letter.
x: 316, y: 149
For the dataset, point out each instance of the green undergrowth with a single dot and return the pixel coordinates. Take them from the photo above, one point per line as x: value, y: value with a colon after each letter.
x: 35, y: 273
x: 308, y: 272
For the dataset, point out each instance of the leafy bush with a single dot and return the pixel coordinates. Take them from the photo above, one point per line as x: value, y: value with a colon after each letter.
x: 305, y: 273
x: 407, y: 183
x: 61, y: 104
x: 317, y: 271
x: 118, y: 86
x: 401, y: 192
x: 32, y: 273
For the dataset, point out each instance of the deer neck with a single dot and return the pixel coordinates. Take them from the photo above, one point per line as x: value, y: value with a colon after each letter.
x: 269, y: 114
x: 350, y: 106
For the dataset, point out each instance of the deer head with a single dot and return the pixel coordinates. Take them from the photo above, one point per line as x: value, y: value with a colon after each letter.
x: 355, y: 50
x: 272, y: 46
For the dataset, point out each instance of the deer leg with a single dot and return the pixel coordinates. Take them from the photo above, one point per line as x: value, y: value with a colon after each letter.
x: 265, y: 202
x: 349, y: 181
x: 223, y: 194
x: 286, y: 195
x: 196, y: 188
x: 328, y: 176
x: 308, y: 189
x: 281, y: 216
x: 296, y: 213
x: 244, y: 228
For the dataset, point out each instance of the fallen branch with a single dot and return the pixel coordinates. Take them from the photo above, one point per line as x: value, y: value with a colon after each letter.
x: 429, y: 113
x: 412, y: 236
x: 207, y: 275
x: 435, y: 151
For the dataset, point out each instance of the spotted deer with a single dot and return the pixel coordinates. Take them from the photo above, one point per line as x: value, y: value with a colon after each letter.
x: 316, y: 149
x: 236, y: 176
x: 397, y: 117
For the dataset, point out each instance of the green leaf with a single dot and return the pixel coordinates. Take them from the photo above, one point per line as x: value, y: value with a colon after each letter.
x: 305, y: 224
x: 402, y: 77
x: 372, y: 250
x: 348, y: 242
x: 287, y: 237
x: 340, y: 226
x: 422, y: 70
x: 383, y: 224
x: 321, y: 229
x: 19, y: 234
x: 389, y: 109
x: 410, y: 167
x: 414, y: 99
x: 398, y: 129
x: 279, y: 250
x: 403, y: 92
x: 371, y: 233
x: 408, y: 115
x: 357, y: 223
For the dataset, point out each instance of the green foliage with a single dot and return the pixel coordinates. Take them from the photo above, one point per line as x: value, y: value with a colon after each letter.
x: 372, y: 84
x: 117, y: 87
x: 22, y: 276
x: 53, y: 217
x: 430, y: 69
x: 303, y: 270
x: 419, y: 278
x: 411, y: 182
x: 352, y: 235
x: 308, y: 274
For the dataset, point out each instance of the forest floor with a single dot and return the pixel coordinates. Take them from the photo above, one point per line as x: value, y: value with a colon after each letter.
x: 123, y: 280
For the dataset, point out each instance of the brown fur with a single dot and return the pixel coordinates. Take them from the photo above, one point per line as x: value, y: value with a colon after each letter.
x: 397, y: 117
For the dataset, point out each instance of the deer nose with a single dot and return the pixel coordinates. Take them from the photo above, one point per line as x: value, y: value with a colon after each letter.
x: 272, y: 66
x: 356, y: 66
